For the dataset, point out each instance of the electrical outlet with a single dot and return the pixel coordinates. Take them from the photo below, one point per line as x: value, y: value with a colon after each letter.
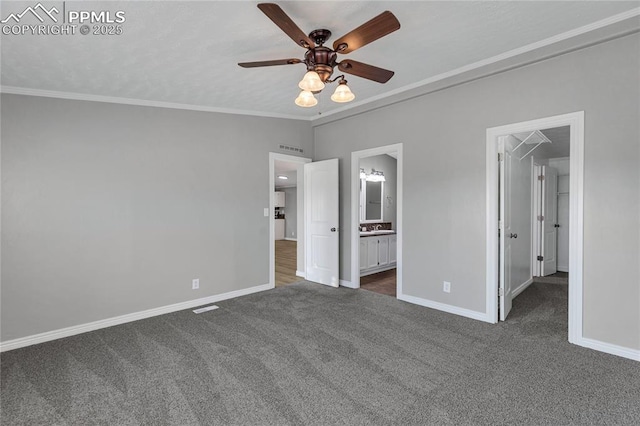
x: 446, y: 287
x: 195, y: 284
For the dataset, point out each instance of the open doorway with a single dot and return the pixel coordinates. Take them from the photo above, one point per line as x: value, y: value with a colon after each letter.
x: 523, y: 220
x: 286, y: 213
x: 531, y: 166
x: 376, y: 201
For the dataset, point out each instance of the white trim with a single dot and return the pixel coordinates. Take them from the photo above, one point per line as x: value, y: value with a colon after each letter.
x: 409, y: 90
x: 301, y: 274
x: 110, y: 322
x: 355, y: 210
x: 273, y: 156
x: 632, y: 354
x: 576, y: 204
x: 12, y: 90
x: 345, y: 283
x: 378, y: 269
x: 291, y: 239
x: 480, y: 316
x: 522, y: 287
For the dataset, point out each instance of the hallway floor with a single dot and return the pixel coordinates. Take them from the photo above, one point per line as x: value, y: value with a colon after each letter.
x: 382, y: 282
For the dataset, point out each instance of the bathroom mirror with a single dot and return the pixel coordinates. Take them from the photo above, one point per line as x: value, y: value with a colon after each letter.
x: 371, y: 196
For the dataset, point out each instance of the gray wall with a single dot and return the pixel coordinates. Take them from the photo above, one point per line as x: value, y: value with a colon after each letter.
x: 112, y: 209
x: 444, y: 136
x: 389, y: 166
x: 290, y: 212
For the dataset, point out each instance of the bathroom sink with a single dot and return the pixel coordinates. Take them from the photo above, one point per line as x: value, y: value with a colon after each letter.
x: 380, y: 232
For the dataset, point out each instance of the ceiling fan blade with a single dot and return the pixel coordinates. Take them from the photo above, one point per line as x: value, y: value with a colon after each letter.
x: 370, y: 31
x: 277, y: 15
x: 365, y: 71
x: 270, y: 63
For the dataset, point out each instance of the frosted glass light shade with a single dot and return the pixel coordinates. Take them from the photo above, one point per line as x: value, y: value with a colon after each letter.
x: 342, y: 93
x: 376, y: 176
x: 306, y: 99
x: 311, y: 82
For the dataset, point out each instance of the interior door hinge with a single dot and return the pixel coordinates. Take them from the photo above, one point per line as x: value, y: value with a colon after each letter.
x: 540, y: 217
x: 500, y: 291
x: 541, y: 177
x: 499, y: 156
x: 541, y: 258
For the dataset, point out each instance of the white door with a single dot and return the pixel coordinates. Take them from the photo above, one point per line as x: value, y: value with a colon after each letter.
x: 506, y: 234
x: 563, y: 223
x: 321, y: 207
x: 549, y: 220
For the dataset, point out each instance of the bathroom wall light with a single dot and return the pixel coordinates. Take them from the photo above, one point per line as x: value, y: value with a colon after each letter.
x: 376, y: 176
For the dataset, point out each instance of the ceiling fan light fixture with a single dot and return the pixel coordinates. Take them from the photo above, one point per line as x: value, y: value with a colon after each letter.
x: 342, y: 93
x: 306, y: 99
x: 311, y: 82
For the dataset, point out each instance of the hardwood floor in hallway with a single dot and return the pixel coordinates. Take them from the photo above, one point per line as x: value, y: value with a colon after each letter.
x: 286, y: 262
x: 382, y: 282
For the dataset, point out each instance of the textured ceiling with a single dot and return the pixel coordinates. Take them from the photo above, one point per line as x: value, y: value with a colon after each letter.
x: 187, y: 52
x: 284, y: 168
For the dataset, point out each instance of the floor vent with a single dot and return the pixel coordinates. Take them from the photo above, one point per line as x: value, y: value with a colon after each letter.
x: 291, y: 148
x: 205, y: 309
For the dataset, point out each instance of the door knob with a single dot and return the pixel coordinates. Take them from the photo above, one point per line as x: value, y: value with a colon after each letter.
x: 513, y: 236
x: 333, y: 229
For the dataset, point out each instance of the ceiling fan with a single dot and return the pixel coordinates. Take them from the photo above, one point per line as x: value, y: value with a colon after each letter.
x: 321, y: 60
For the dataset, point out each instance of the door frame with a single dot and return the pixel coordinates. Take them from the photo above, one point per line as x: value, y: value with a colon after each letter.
x: 355, y: 212
x: 575, y: 121
x: 273, y: 156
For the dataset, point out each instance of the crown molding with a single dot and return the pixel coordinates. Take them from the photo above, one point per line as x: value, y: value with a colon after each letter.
x: 408, y: 89
x: 393, y: 96
x: 25, y: 91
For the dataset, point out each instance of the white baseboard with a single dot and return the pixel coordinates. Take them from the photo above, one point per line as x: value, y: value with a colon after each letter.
x: 522, y: 287
x: 379, y: 269
x: 301, y: 274
x: 345, y: 283
x: 563, y: 269
x: 109, y: 322
x: 480, y: 316
x: 291, y: 239
x: 632, y: 354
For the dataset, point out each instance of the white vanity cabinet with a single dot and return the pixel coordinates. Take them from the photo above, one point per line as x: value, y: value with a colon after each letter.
x: 393, y: 248
x: 377, y: 253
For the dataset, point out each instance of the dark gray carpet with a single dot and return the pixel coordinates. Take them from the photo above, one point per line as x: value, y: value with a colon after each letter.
x: 308, y: 354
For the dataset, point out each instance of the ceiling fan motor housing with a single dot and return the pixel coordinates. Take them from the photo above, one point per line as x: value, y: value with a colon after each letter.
x: 321, y: 60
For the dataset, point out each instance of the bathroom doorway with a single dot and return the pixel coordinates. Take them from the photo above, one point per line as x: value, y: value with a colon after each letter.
x: 376, y: 203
